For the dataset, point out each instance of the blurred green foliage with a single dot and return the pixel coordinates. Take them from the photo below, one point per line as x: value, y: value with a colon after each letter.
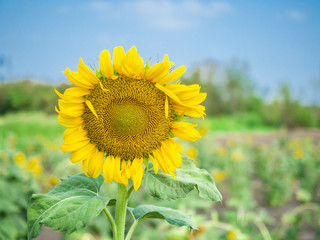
x: 28, y: 96
x: 269, y: 182
x: 232, y: 94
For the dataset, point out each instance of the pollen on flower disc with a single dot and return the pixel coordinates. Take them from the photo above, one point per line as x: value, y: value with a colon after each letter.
x: 131, y: 119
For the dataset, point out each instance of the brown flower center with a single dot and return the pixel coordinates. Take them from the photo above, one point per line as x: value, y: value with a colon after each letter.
x: 131, y: 117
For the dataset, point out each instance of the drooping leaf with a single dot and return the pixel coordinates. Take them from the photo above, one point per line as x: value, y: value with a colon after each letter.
x: 172, y: 216
x: 188, y: 177
x: 70, y: 206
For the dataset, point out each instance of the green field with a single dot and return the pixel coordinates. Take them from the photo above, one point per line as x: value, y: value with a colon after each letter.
x: 269, y: 179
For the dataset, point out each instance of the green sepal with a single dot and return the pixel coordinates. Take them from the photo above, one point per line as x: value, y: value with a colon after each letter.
x: 178, y: 118
x: 172, y: 216
x: 147, y: 66
x: 69, y: 206
x: 115, y: 71
x: 188, y: 177
x: 99, y: 74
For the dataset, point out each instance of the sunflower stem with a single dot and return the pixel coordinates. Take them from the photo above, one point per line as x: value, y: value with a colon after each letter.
x: 133, y: 227
x: 113, y: 225
x: 121, y: 208
x: 129, y: 193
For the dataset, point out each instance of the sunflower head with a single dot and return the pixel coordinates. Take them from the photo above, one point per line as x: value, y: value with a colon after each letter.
x: 125, y: 113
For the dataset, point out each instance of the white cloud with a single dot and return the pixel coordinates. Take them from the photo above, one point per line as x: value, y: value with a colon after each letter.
x: 296, y: 15
x: 163, y: 14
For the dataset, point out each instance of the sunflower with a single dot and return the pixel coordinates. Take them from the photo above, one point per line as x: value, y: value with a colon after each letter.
x: 125, y: 113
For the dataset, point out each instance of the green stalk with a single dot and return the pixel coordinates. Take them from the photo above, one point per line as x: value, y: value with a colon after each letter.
x: 113, y: 225
x: 133, y: 227
x: 121, y: 208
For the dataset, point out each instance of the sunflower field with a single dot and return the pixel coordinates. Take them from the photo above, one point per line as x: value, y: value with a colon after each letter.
x: 269, y: 181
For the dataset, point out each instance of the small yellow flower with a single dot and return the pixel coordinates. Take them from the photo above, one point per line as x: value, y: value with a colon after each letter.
x: 192, y: 152
x: 37, y: 170
x: 34, y: 166
x: 232, y: 235
x: 298, y: 153
x: 53, y: 180
x: 203, y: 130
x: 219, y: 175
x: 19, y: 158
x: 222, y: 151
x: 237, y: 157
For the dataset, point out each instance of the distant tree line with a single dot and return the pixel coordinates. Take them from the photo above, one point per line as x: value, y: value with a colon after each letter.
x: 28, y: 96
x: 234, y: 93
x: 231, y: 94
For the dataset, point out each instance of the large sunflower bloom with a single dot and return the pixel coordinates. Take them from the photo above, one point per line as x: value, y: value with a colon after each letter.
x: 125, y: 113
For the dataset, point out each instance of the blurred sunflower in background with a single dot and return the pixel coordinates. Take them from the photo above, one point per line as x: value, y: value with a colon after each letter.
x: 127, y: 112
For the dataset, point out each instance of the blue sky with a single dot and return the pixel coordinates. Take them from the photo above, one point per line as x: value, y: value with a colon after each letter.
x: 279, y: 40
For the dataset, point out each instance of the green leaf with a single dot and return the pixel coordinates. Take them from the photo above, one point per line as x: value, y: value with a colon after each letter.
x: 172, y: 216
x: 188, y: 176
x: 70, y: 206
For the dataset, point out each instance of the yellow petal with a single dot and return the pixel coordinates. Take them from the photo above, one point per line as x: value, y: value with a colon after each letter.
x: 166, y: 107
x: 76, y: 136
x: 76, y: 111
x: 192, y: 111
x: 171, y: 165
x: 184, y: 91
x: 105, y: 64
x: 102, y: 87
x: 70, y: 121
x: 90, y: 106
x: 199, y: 98
x: 159, y: 70
x: 172, y: 151
x: 166, y: 165
x: 85, y: 164
x: 133, y: 64
x: 157, y: 155
x: 69, y: 131
x: 82, y: 154
x: 155, y: 164
x: 75, y: 146
x: 78, y: 80
x: 118, y: 59
x: 96, y: 163
x: 69, y: 98
x: 169, y: 93
x: 118, y: 177
x: 137, y: 173
x: 109, y: 169
x: 65, y: 104
x: 185, y: 131
x: 86, y: 73
x: 76, y: 92
x: 174, y: 75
